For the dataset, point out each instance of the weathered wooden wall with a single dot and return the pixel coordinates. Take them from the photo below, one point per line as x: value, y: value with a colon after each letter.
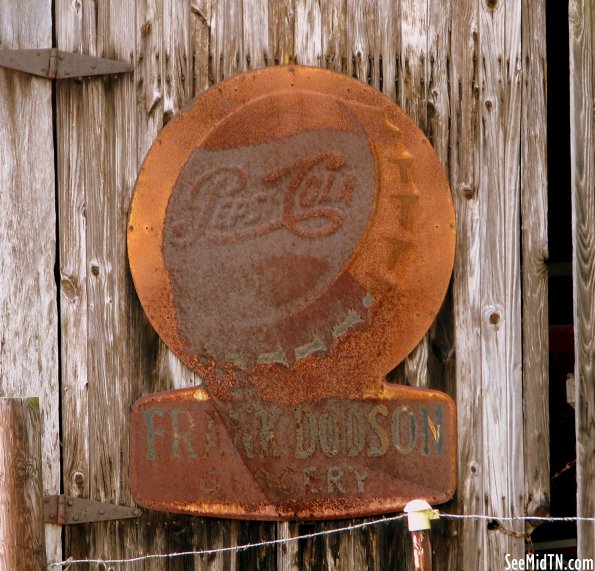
x: 582, y: 126
x: 469, y: 73
x: 28, y: 309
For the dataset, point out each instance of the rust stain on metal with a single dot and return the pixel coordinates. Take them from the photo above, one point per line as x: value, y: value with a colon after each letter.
x: 291, y: 239
x: 322, y: 460
x: 57, y: 64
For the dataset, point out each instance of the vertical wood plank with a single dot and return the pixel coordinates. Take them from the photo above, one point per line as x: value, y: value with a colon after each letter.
x: 256, y: 33
x: 361, y: 40
x: 437, y: 73
x: 287, y: 554
x: 148, y: 73
x: 227, y: 33
x: 308, y: 32
x: 70, y: 119
x: 282, y: 30
x: 177, y: 63
x: 582, y: 126
x: 412, y: 96
x: 102, y: 146
x: 70, y: 128
x: 22, y: 541
x: 464, y: 181
x: 200, y: 39
x: 500, y: 324
x: 387, y: 42
x: 441, y: 343
x: 119, y: 359
x: 28, y: 296
x: 413, y: 18
x: 534, y: 279
x: 324, y: 36
x: 333, y: 15
x: 340, y: 550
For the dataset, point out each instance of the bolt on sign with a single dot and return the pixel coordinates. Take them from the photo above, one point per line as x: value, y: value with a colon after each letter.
x: 291, y: 240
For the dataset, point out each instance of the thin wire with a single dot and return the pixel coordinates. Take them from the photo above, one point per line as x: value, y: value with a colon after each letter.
x: 516, y: 518
x: 348, y: 528
x: 235, y: 548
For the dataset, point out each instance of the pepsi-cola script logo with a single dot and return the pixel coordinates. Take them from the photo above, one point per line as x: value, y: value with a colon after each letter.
x: 255, y: 234
x: 306, y: 196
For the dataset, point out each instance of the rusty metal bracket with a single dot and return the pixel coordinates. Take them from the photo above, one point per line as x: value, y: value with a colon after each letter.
x: 67, y: 510
x: 56, y: 64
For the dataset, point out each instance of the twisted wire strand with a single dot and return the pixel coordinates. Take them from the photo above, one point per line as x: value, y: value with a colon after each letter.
x: 345, y: 529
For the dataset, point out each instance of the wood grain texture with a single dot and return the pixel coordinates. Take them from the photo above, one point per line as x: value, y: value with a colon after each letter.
x: 441, y: 369
x: 414, y: 30
x: 361, y: 41
x: 227, y: 25
x: 308, y: 32
x: 148, y: 73
x: 500, y: 324
x: 255, y: 26
x: 437, y: 78
x: 22, y: 537
x: 177, y: 62
x: 97, y: 141
x: 71, y: 181
x: 464, y: 181
x: 28, y: 296
x: 534, y: 255
x: 282, y: 31
x: 334, y: 16
x: 582, y: 126
x: 412, y: 97
x: 200, y: 41
x: 119, y: 360
x: 387, y: 42
x: 70, y: 122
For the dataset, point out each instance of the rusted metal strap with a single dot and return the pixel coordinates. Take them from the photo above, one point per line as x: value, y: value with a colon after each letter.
x: 56, y: 64
x: 66, y: 510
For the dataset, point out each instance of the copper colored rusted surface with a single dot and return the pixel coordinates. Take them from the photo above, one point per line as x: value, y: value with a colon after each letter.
x: 316, y: 460
x: 291, y: 239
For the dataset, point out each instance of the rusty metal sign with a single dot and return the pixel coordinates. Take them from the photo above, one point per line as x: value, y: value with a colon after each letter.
x: 291, y: 239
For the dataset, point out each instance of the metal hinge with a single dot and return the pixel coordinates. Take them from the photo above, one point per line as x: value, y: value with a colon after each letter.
x: 56, y: 64
x: 66, y: 510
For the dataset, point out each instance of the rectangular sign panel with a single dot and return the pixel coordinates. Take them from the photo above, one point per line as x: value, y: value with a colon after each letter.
x: 327, y: 459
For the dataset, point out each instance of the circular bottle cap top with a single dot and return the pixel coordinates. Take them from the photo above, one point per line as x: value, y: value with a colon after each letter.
x: 291, y: 231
